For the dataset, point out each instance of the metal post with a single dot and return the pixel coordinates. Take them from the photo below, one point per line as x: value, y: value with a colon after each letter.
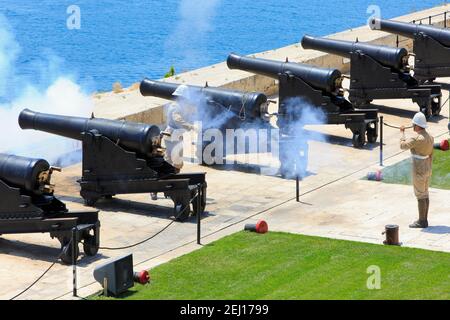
x: 74, y: 260
x: 445, y: 19
x: 397, y: 41
x: 105, y: 286
x: 429, y: 20
x: 199, y: 212
x: 297, y: 188
x: 381, y: 140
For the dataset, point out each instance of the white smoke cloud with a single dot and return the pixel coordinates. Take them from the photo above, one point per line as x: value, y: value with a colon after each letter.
x: 197, y: 110
x: 197, y: 107
x: 295, y: 156
x: 189, y: 35
x: 62, y: 96
x: 9, y: 50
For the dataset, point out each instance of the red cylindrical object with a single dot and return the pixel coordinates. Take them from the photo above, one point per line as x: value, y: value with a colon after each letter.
x: 142, y: 277
x: 443, y: 145
x: 375, y: 176
x: 260, y: 227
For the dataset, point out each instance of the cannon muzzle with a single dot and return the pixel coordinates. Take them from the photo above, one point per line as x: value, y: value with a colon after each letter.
x: 391, y: 57
x: 158, y: 89
x: 410, y: 30
x: 135, y: 137
x: 328, y: 80
x: 252, y: 104
x: 28, y: 174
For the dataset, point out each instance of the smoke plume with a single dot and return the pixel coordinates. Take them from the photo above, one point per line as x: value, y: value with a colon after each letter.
x: 196, y: 109
x: 292, y: 147
x: 9, y: 51
x: 63, y: 96
x: 294, y: 151
x: 190, y: 34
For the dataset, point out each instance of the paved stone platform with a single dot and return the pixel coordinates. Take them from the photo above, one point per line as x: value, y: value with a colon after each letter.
x: 335, y: 203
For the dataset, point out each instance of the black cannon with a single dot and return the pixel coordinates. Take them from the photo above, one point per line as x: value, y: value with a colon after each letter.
x: 28, y: 205
x: 431, y: 46
x: 244, y: 107
x: 221, y: 109
x: 379, y: 72
x: 319, y: 87
x: 121, y: 157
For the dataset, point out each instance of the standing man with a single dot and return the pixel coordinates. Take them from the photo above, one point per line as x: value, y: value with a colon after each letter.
x: 421, y: 146
x: 180, y: 118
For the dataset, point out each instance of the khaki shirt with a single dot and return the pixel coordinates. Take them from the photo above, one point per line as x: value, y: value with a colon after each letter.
x: 421, y: 144
x: 176, y: 119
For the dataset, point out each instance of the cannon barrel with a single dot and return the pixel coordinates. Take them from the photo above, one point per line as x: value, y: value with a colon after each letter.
x: 158, y: 89
x: 135, y: 137
x: 388, y: 56
x: 409, y: 30
x: 320, y: 78
x: 253, y: 103
x: 23, y: 173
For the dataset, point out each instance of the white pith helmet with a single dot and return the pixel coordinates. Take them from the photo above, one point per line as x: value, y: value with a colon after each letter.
x: 420, y: 120
x: 181, y: 91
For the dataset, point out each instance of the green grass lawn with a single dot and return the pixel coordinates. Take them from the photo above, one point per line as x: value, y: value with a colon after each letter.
x: 400, y: 173
x: 287, y: 266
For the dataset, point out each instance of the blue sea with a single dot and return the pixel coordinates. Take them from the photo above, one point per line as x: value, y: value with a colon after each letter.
x: 126, y: 41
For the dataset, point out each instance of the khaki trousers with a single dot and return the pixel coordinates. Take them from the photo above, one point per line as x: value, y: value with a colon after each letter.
x: 421, y: 175
x: 174, y: 152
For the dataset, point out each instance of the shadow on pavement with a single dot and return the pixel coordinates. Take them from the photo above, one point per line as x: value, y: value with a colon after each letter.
x: 437, y: 230
x: 42, y: 253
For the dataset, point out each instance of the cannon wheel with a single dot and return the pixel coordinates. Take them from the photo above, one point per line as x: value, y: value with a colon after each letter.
x: 436, y: 111
x: 90, y: 202
x: 436, y: 108
x: 358, y: 140
x: 371, y: 132
x: 90, y: 198
x: 427, y: 110
x: 202, y: 201
x: 182, y: 212
x: 67, y: 250
x: 90, y: 247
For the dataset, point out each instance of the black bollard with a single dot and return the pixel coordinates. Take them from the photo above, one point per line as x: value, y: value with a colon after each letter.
x: 392, y: 237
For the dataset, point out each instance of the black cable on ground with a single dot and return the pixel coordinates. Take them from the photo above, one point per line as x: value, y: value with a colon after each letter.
x: 67, y: 247
x: 140, y: 242
x: 443, y: 103
x: 156, y: 234
x: 36, y: 281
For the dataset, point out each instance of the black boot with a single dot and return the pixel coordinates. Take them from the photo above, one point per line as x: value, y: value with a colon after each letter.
x: 422, y: 222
